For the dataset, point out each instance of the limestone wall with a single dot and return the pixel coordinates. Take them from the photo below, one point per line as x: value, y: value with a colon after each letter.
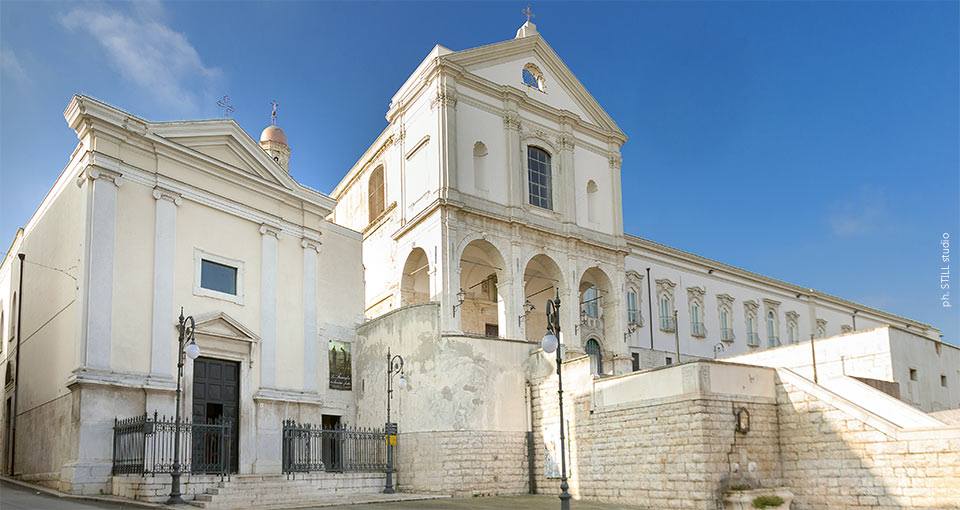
x: 667, y: 438
x: 658, y: 439
x: 837, y: 456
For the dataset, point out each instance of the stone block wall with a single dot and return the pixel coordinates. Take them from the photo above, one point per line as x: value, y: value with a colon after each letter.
x: 835, y: 458
x: 156, y: 488
x: 676, y: 452
x: 463, y: 462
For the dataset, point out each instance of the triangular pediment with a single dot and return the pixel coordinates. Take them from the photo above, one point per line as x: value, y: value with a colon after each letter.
x: 227, y: 145
x: 220, y: 325
x: 503, y: 63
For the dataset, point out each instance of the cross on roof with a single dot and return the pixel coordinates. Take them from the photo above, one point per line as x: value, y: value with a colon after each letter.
x: 273, y: 114
x: 528, y: 12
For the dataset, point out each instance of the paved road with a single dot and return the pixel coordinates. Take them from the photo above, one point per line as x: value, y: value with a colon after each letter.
x: 15, y: 497
x: 498, y: 503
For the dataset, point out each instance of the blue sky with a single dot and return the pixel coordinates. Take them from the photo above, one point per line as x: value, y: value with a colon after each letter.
x: 815, y: 142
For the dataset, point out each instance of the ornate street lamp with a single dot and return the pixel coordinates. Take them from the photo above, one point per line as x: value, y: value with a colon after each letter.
x: 551, y: 343
x: 394, y: 367
x: 192, y: 351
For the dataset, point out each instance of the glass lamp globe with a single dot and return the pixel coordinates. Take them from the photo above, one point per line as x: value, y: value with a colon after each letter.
x: 193, y: 350
x: 402, y: 383
x: 550, y: 343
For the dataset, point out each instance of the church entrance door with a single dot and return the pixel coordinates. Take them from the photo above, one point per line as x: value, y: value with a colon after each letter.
x: 216, y: 398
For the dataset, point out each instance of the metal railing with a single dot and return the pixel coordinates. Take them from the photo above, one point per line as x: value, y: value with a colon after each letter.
x: 726, y: 335
x: 697, y: 329
x: 309, y: 448
x: 144, y: 445
x: 667, y: 324
x: 753, y: 339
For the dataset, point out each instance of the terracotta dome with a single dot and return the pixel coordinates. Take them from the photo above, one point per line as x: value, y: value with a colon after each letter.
x: 273, y: 134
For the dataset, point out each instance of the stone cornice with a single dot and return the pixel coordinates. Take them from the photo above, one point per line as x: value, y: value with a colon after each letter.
x: 90, y: 376
x: 279, y: 395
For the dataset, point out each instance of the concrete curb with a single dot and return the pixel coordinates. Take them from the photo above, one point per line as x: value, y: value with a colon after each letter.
x: 80, y: 497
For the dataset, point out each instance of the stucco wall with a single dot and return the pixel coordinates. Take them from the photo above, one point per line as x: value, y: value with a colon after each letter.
x: 462, y: 418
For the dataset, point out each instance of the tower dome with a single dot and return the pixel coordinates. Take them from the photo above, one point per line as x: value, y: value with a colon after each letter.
x: 273, y: 134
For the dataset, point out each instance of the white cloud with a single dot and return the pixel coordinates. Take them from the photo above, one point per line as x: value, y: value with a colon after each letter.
x: 148, y: 53
x: 860, y: 213
x: 11, y: 68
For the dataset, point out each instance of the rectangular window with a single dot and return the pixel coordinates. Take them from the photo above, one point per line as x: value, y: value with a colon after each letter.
x: 491, y: 330
x: 341, y: 375
x: 218, y: 277
x: 636, y: 360
x: 669, y: 360
x: 913, y: 374
x: 943, y: 381
x: 633, y: 312
x: 539, y: 178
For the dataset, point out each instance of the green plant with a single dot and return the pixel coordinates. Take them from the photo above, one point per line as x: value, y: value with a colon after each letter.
x: 740, y: 487
x: 767, y: 501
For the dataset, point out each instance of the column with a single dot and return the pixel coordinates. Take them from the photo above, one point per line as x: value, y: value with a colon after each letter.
x: 310, y: 250
x: 100, y: 239
x: 269, y: 237
x: 617, y: 193
x: 164, y: 311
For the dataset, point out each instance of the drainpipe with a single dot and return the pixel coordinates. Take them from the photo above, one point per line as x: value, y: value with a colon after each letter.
x: 650, y: 308
x: 16, y: 377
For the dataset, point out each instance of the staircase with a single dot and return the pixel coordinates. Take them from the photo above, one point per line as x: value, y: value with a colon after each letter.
x: 277, y: 491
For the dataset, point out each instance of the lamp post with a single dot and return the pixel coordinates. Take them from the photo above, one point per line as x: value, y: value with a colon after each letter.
x: 551, y: 343
x: 394, y: 367
x: 192, y: 351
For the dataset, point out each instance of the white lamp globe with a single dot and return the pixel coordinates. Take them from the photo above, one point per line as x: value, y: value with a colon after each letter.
x: 402, y: 383
x: 193, y: 350
x: 550, y: 343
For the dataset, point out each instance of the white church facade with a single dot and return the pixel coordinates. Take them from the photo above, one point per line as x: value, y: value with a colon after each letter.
x: 495, y: 186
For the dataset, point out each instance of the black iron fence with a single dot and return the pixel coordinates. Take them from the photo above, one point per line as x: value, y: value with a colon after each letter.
x: 309, y: 448
x: 145, y: 445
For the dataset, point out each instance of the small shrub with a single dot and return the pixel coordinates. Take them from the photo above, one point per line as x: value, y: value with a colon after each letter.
x: 767, y: 501
x: 740, y: 487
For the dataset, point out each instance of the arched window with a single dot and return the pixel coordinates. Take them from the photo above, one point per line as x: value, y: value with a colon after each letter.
x: 633, y: 308
x: 539, y: 178
x: 772, y: 339
x: 375, y: 195
x: 592, y: 201
x: 592, y: 349
x: 792, y: 333
x: 532, y: 77
x: 479, y: 164
x: 590, y: 302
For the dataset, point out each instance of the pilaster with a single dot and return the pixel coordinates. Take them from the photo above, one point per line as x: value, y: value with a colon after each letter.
x: 446, y: 104
x: 566, y: 177
x: 101, y: 202
x: 515, y: 174
x: 269, y: 237
x: 164, y: 248
x: 310, y: 250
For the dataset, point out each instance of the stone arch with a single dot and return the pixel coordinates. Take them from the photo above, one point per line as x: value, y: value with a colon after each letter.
x: 415, y: 280
x: 542, y: 279
x: 480, y: 302
x: 598, y: 303
x: 594, y: 350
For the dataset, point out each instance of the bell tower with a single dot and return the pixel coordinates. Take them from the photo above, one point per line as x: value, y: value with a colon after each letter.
x: 274, y: 141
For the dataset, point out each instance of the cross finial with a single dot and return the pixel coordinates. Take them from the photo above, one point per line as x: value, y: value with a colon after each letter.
x: 528, y: 12
x: 273, y: 114
x: 225, y: 107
